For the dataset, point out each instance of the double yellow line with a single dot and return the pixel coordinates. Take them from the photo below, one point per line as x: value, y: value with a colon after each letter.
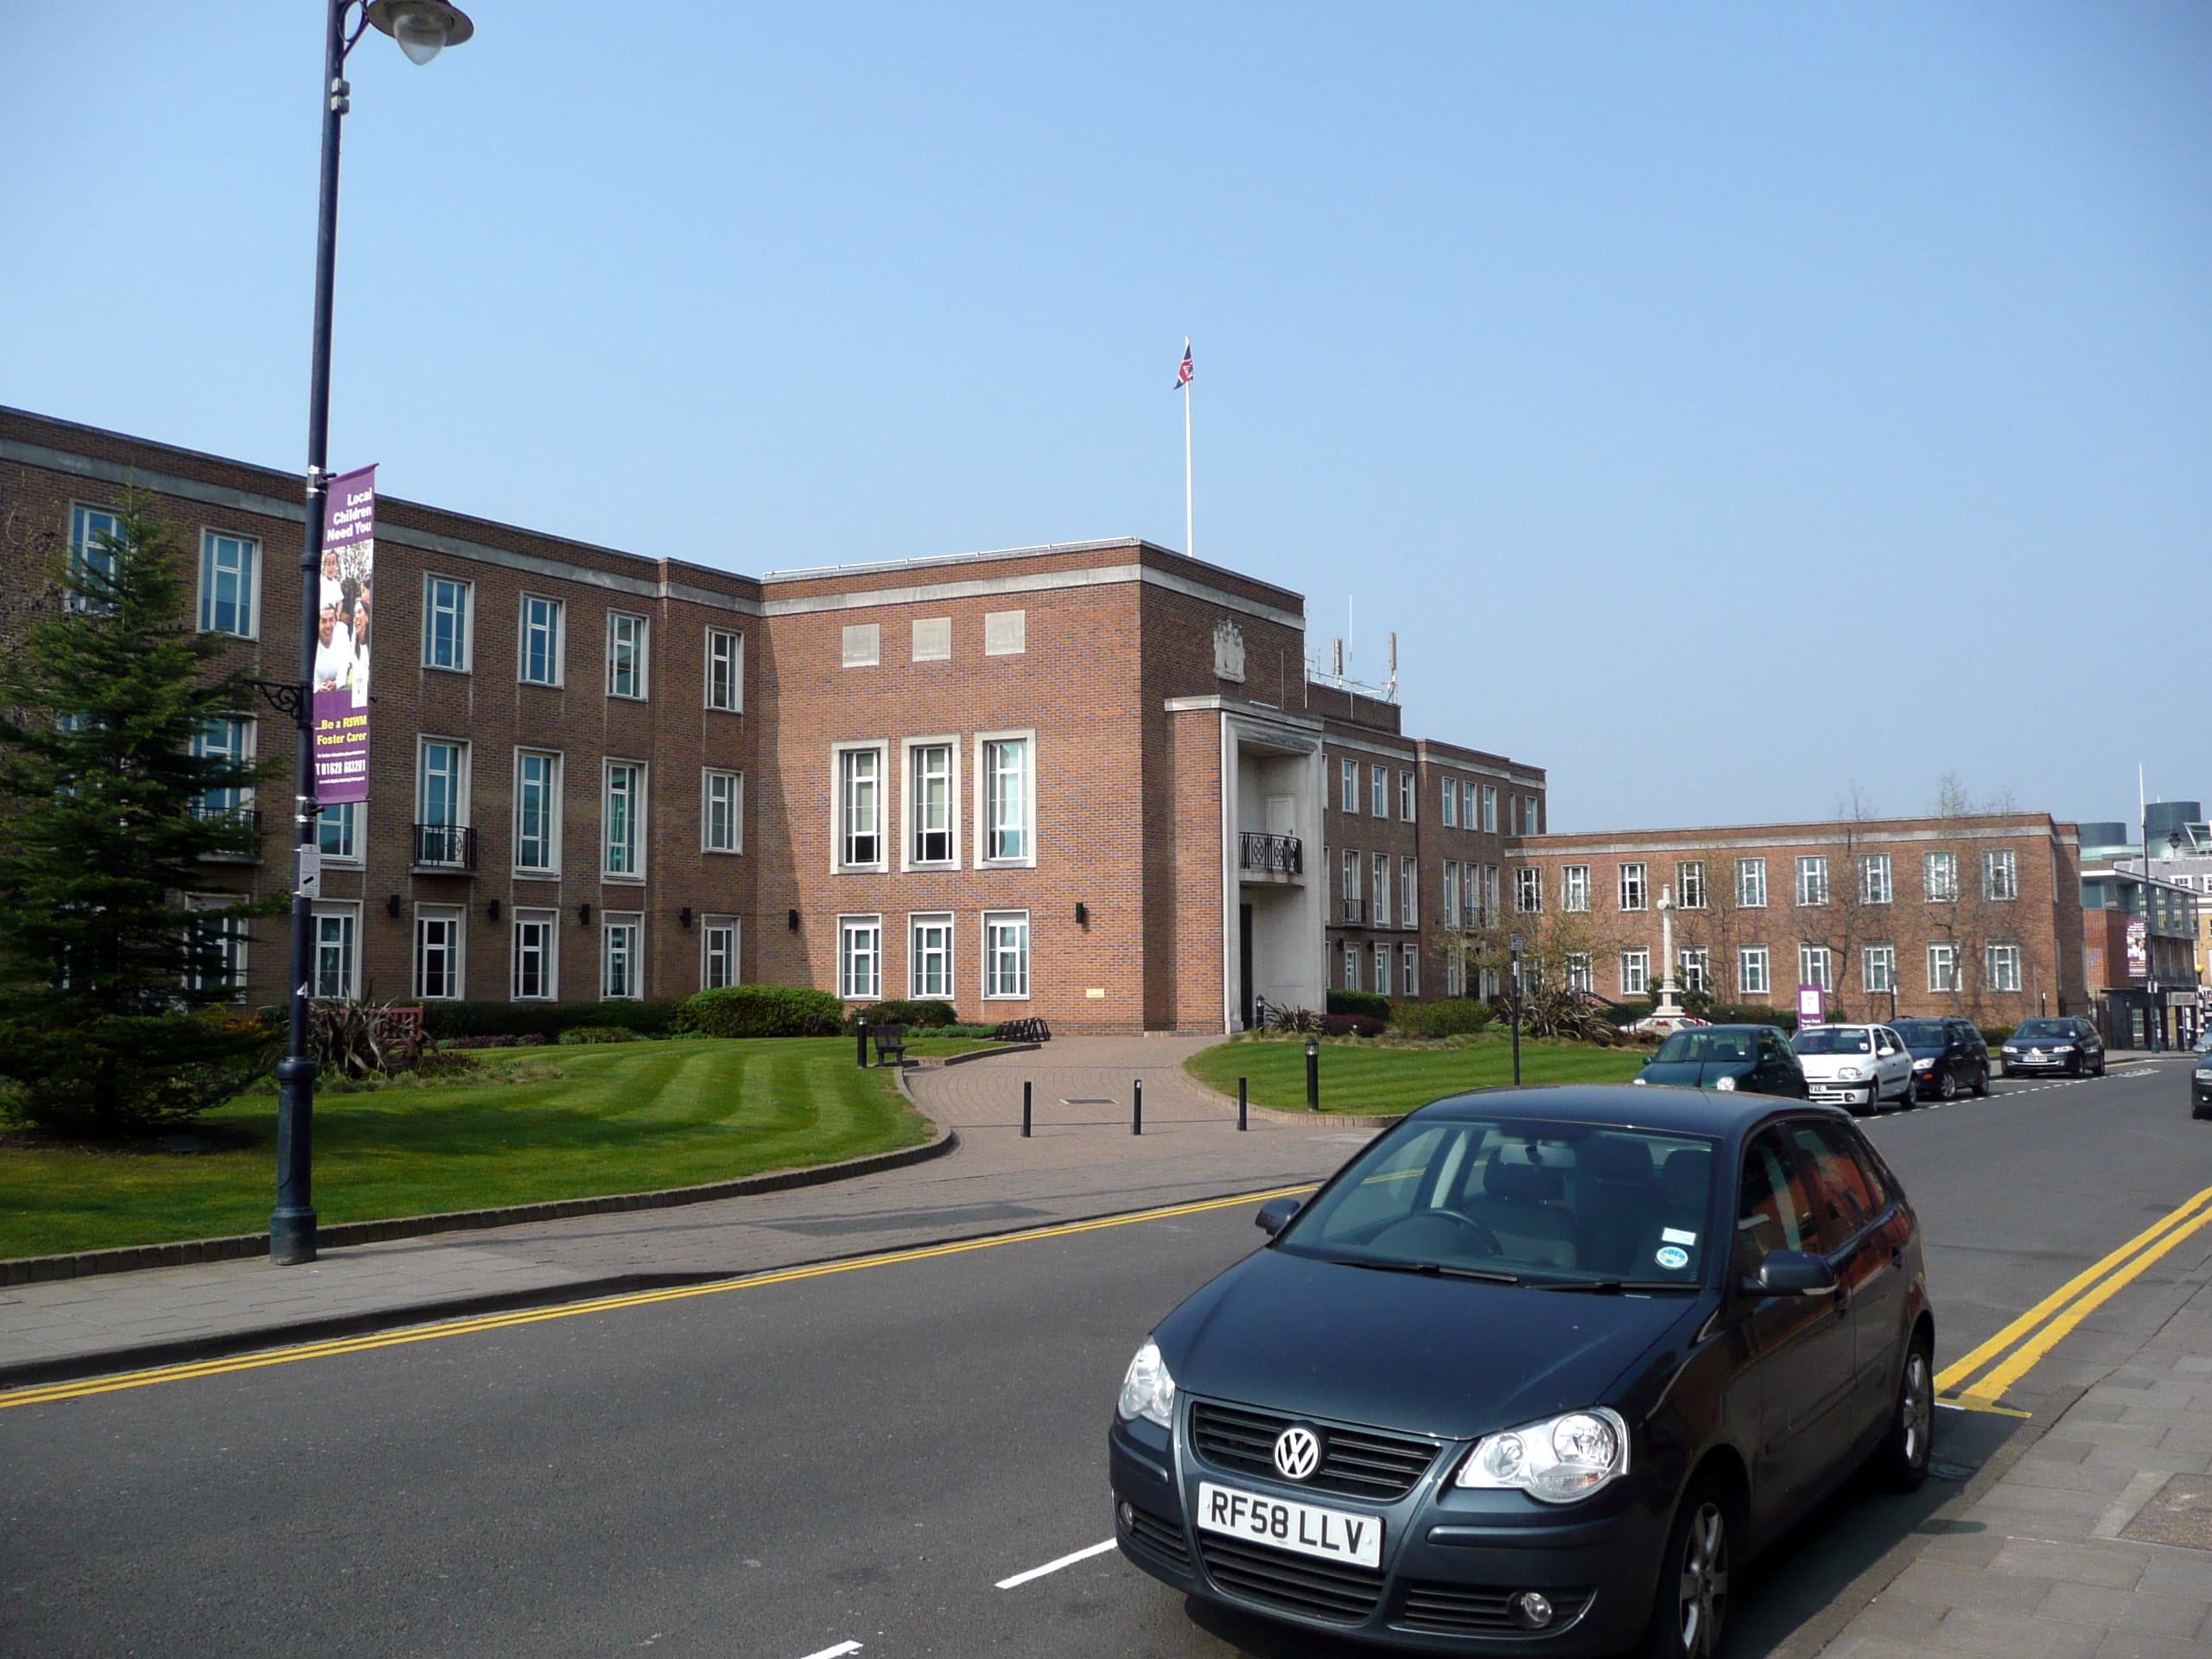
x: 2015, y: 1351
x: 36, y: 1396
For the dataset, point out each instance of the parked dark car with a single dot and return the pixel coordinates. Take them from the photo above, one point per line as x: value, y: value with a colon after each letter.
x: 2072, y: 1046
x: 2199, y: 1084
x: 1536, y: 1372
x: 1947, y: 1055
x: 1755, y: 1059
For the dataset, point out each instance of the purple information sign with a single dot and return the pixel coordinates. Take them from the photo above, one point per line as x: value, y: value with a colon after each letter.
x: 341, y: 653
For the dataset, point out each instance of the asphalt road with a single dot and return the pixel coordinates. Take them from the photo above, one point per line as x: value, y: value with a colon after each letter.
x: 854, y: 1457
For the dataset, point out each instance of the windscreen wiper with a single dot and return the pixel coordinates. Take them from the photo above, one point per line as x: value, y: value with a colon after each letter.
x: 1610, y: 1286
x: 1432, y: 1269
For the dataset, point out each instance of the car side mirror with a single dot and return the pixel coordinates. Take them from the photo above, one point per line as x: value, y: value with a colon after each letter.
x: 1275, y: 1214
x: 1791, y: 1273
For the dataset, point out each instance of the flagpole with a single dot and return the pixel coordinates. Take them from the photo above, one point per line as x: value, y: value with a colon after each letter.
x: 1190, y: 550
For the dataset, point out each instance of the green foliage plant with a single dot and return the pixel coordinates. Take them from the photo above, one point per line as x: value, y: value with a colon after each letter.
x: 1451, y: 1016
x: 761, y: 1011
x: 579, y: 1034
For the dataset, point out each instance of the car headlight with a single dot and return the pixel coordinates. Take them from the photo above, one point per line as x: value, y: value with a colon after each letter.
x: 1559, y: 1460
x: 1923, y: 1065
x: 1726, y: 1085
x: 2062, y: 1048
x: 1639, y: 1079
x: 1147, y: 1391
x: 1849, y: 1073
x: 2010, y: 1050
x: 2204, y: 1074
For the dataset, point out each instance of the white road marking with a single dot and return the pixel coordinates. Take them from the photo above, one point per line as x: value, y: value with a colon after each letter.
x: 834, y: 1653
x: 1053, y: 1566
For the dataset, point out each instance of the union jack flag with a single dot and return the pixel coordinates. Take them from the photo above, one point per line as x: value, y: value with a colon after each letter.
x: 1183, y: 374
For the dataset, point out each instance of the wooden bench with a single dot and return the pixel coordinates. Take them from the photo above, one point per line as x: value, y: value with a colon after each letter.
x: 890, y: 1044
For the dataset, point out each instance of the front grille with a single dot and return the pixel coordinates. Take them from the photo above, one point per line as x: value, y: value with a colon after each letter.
x: 1162, y: 1540
x: 1478, y: 1609
x: 1367, y: 1463
x: 1342, y: 1595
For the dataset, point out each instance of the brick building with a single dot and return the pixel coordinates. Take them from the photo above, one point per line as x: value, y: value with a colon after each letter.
x: 1068, y: 781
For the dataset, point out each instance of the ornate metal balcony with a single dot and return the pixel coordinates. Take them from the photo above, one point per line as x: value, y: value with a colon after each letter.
x: 1354, y: 911
x: 1268, y: 854
x: 445, y: 847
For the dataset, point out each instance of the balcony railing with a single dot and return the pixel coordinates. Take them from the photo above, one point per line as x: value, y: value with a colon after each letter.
x: 240, y: 818
x: 1355, y: 912
x: 1271, y: 854
x: 444, y: 847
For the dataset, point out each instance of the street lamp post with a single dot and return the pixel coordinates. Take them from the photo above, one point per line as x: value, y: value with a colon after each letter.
x: 423, y: 28
x: 1514, y: 945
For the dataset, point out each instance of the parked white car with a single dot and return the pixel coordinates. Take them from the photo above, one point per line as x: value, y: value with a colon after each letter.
x: 1858, y: 1067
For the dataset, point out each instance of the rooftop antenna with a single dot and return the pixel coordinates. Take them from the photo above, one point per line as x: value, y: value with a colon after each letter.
x: 1394, y: 664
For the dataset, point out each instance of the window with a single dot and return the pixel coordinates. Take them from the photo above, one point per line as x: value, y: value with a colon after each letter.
x: 445, y: 623
x: 722, y: 823
x: 1878, y: 967
x: 337, y: 957
x: 1451, y: 893
x: 1943, y: 967
x: 725, y: 670
x: 1351, y: 967
x: 538, y: 811
x: 1451, y: 803
x: 1527, y: 890
x: 1574, y: 888
x: 1580, y: 976
x: 1382, y: 970
x: 717, y: 952
x: 1490, y: 808
x: 437, y: 952
x: 1635, y: 972
x: 1813, y: 966
x: 1348, y: 785
x: 1751, y: 971
x: 2003, y: 965
x: 1943, y: 877
x: 2001, y: 874
x: 621, y: 956
x: 1632, y: 886
x: 338, y: 832
x: 1854, y: 1193
x: 860, y: 808
x: 1006, y: 633
x: 1489, y: 894
x: 1697, y: 971
x: 1689, y: 884
x: 863, y: 645
x: 859, y: 958
x: 1006, y: 954
x: 1874, y: 885
x: 220, y: 942
x: 91, y: 529
x: 933, y: 639
x: 1405, y: 797
x: 1530, y: 817
x: 1774, y: 1208
x: 1409, y: 970
x: 930, y: 794
x: 541, y: 641
x: 1812, y: 880
x: 1351, y: 887
x: 1751, y: 883
x: 1009, y: 799
x: 1455, y: 976
x: 1467, y: 815
x: 536, y: 972
x: 929, y: 957
x: 1409, y: 893
x: 1378, y: 792
x: 230, y: 584
x: 230, y: 740
x: 624, y: 818
x: 1380, y: 870
x: 441, y: 799
x: 626, y: 655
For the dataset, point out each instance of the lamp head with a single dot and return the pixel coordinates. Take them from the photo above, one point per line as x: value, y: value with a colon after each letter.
x: 422, y: 28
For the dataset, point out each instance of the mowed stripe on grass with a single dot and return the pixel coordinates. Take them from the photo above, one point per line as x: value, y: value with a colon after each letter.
x: 1363, y: 1079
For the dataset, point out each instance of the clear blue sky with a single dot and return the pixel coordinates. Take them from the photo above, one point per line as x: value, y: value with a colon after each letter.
x: 1723, y: 405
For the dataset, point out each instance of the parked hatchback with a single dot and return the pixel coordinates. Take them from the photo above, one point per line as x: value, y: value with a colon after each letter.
x: 1856, y: 1067
x: 1948, y: 1056
x: 1537, y: 1371
x: 2072, y: 1046
x: 1755, y: 1059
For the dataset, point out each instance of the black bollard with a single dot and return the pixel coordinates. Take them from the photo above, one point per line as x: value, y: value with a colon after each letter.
x: 860, y: 1032
x: 1312, y: 1075
x: 1136, y: 1120
x: 1025, y: 1109
x: 1243, y: 1106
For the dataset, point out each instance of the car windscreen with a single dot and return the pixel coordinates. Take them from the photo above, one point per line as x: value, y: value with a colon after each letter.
x: 1531, y: 1199
x: 1692, y: 1047
x: 1919, y: 1034
x: 1831, y: 1039
x: 2046, y: 1031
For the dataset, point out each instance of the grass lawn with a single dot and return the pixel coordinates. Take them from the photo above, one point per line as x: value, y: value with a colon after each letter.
x: 536, y: 1123
x: 1382, y: 1080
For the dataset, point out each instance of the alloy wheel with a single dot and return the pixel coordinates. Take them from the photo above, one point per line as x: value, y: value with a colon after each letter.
x: 1947, y: 1089
x: 1704, y: 1592
x: 1916, y: 1409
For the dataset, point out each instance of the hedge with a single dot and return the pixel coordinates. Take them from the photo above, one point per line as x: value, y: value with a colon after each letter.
x: 599, y: 1035
x: 1365, y: 1003
x: 1750, y: 1013
x: 761, y: 1011
x: 1451, y: 1016
x: 446, y: 1020
x: 1350, y: 1025
x: 926, y: 1016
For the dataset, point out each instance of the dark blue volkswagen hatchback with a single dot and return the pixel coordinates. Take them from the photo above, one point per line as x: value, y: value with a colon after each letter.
x: 1534, y: 1373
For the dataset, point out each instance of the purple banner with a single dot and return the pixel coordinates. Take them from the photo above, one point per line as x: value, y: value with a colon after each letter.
x: 343, y: 627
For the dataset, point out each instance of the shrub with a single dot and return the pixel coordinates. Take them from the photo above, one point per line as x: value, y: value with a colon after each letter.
x: 599, y: 1035
x: 1350, y: 1025
x: 1750, y: 1013
x: 1994, y: 1035
x: 1451, y: 1016
x: 526, y: 1040
x: 927, y: 1016
x: 446, y: 1021
x: 761, y: 1011
x: 957, y: 1030
x: 1366, y: 1003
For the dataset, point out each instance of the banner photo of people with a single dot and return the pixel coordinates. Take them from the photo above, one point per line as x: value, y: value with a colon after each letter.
x: 342, y: 632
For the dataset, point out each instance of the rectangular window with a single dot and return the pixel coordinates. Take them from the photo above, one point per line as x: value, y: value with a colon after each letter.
x: 220, y: 942
x: 725, y: 670
x: 859, y: 958
x: 1751, y: 883
x: 933, y: 638
x: 717, y: 952
x: 1468, y: 819
x: 440, y: 798
x: 1455, y: 976
x: 537, y: 970
x: 230, y: 584
x: 1941, y: 876
x: 1378, y: 792
x: 91, y: 529
x: 1878, y: 967
x: 1409, y: 970
x: 1697, y: 971
x: 1574, y: 888
x: 1489, y: 907
x: 232, y: 740
x: 1635, y: 972
x: 1689, y: 884
x: 623, y: 815
x: 1532, y: 816
x: 1632, y: 886
x: 1009, y: 799
x: 1405, y: 797
x: 2001, y: 874
x: 859, y: 809
x: 621, y: 956
x: 1451, y: 893
x: 541, y: 641
x: 1006, y: 954
x: 1379, y: 871
x: 2004, y: 966
x: 445, y: 623
x: 1580, y: 976
x: 929, y: 957
x: 862, y: 645
x: 538, y: 811
x: 1006, y: 633
x: 1813, y: 967
x: 1382, y: 971
x: 1527, y: 890
x: 930, y: 839
x: 1812, y: 880
x: 1489, y: 809
x: 1351, y: 967
x: 1875, y: 886
x: 1943, y: 967
x: 626, y: 655
x: 1451, y: 803
x: 1409, y: 893
x: 437, y: 952
x: 1348, y: 782
x: 337, y: 955
x: 1352, y: 895
x: 338, y: 832
x: 722, y: 811
x: 1751, y: 971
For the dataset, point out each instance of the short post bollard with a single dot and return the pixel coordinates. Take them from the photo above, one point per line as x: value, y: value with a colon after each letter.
x: 1313, y: 1074
x: 1243, y: 1106
x: 1136, y: 1120
x: 861, y: 1031
x: 1025, y: 1087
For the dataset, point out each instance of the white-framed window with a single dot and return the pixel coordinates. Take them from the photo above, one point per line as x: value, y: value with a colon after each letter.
x: 1409, y: 970
x: 536, y: 968
x: 1751, y: 883
x: 1875, y: 886
x: 622, y: 818
x: 1812, y: 880
x: 1451, y: 893
x: 233, y: 739
x: 1006, y: 780
x: 1409, y: 893
x: 1940, y: 876
x: 932, y: 787
x: 441, y: 801
x: 1752, y: 971
x: 862, y: 645
x: 91, y: 529
x: 1352, y: 884
x: 726, y: 671
x: 1878, y: 967
x: 2003, y: 964
x: 1488, y: 908
x: 1351, y: 966
x: 445, y: 608
x: 1532, y: 814
x: 2001, y: 873
x: 1379, y: 880
x: 1378, y: 792
x: 1580, y: 975
x: 1816, y: 966
x: 1574, y: 888
x: 1943, y: 967
x: 1635, y: 972
x: 929, y: 955
x: 224, y: 938
x: 1005, y: 954
x: 1405, y: 797
x: 1489, y: 809
x: 1696, y: 969
x: 1513, y: 813
x: 338, y: 833
x: 1455, y: 975
x: 1634, y: 886
x: 621, y: 956
x: 1382, y: 971
x: 1451, y: 803
x: 1527, y: 890
x: 437, y: 952
x: 721, y: 811
x: 230, y: 584
x: 718, y: 961
x: 628, y: 640
x: 1469, y: 818
x: 1348, y: 779
x: 337, y: 950
x: 1006, y: 633
x: 859, y: 958
x: 539, y: 660
x: 537, y: 812
x: 933, y: 638
x: 859, y: 810
x: 1689, y: 884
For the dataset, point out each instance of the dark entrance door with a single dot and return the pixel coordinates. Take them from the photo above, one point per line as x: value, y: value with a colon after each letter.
x: 1244, y: 961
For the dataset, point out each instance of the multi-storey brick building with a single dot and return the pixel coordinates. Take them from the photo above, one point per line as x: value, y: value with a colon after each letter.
x: 1077, y: 781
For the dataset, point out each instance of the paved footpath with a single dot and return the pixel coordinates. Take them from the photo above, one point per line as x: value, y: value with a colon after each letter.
x: 1081, y: 1160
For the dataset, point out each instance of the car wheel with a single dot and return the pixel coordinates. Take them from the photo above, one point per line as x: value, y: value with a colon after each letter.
x: 1689, y: 1614
x: 1902, y: 1463
x: 1981, y: 1087
x: 1947, y: 1087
